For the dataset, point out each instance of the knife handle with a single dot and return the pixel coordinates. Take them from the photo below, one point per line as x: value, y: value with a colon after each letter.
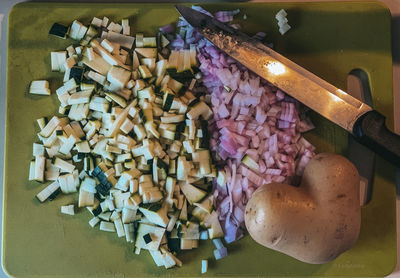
x: 371, y: 131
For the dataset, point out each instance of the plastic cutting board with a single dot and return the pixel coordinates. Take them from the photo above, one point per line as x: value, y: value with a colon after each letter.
x: 330, y: 39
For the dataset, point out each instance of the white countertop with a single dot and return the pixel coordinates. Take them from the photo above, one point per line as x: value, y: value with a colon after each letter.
x: 394, y: 5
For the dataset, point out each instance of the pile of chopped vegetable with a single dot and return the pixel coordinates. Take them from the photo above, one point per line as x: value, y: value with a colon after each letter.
x: 256, y: 130
x: 139, y: 116
x: 132, y: 139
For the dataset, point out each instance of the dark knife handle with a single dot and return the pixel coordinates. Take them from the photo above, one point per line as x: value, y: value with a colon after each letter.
x: 371, y: 131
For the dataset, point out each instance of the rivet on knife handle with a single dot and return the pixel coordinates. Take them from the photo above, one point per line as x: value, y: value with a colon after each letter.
x: 370, y: 130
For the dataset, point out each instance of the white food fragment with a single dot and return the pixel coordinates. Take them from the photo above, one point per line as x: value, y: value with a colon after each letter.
x: 96, y: 22
x: 119, y: 227
x: 284, y: 28
x: 204, y: 266
x: 220, y: 253
x: 68, y: 210
x: 218, y: 243
x: 282, y: 21
x: 94, y: 221
x: 282, y: 13
x: 45, y: 193
x: 104, y: 22
x: 107, y: 226
x: 40, y: 87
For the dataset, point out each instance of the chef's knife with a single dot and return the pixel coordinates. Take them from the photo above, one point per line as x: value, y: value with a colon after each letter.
x: 367, y: 125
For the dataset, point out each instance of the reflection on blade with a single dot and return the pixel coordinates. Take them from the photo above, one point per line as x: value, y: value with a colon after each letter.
x: 275, y: 68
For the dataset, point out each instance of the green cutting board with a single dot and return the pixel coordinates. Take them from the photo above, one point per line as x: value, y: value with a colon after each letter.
x: 330, y: 39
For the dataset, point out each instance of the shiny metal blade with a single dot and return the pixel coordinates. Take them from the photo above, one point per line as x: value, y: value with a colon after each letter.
x: 314, y: 92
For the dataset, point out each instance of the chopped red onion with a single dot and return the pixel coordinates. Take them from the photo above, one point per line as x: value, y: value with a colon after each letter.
x: 274, y: 172
x: 283, y: 124
x: 223, y: 111
x: 226, y: 16
x: 252, y: 117
x: 306, y: 125
x: 220, y: 253
x: 280, y: 95
x: 167, y: 29
x: 260, y: 35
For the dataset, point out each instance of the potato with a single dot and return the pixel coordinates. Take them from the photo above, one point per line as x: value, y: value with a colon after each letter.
x: 314, y: 222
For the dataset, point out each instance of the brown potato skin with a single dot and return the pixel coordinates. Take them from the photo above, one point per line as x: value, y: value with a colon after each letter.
x: 314, y: 222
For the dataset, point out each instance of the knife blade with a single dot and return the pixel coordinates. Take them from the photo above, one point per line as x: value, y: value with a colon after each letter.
x: 365, y: 124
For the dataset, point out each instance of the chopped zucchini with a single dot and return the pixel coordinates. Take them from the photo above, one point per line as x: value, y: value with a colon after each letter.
x: 249, y: 162
x: 59, y: 30
x: 40, y: 87
x: 192, y: 193
x: 146, y: 52
x: 144, y: 72
x: 155, y: 213
x: 118, y: 99
x: 131, y: 126
x: 156, y: 234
